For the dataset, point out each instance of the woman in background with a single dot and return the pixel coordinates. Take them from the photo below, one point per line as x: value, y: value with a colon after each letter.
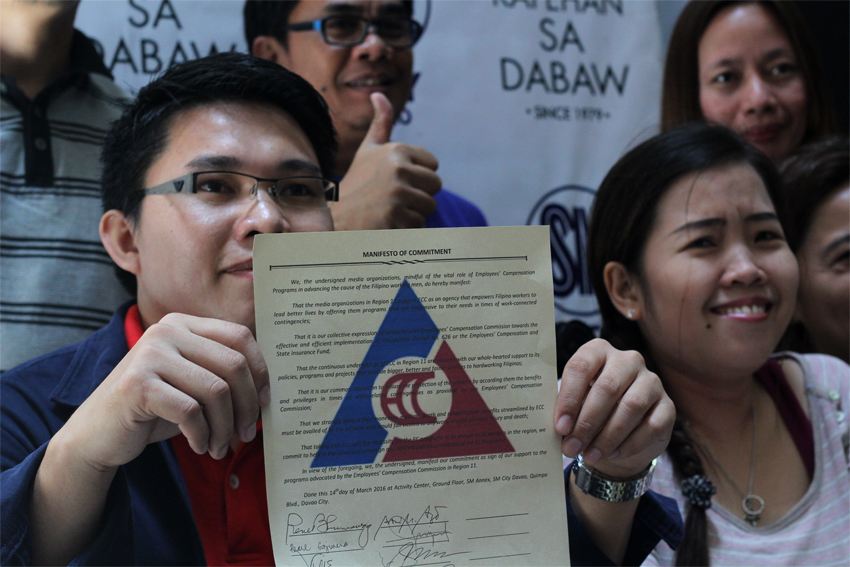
x: 749, y: 66
x: 817, y: 195
x: 691, y: 268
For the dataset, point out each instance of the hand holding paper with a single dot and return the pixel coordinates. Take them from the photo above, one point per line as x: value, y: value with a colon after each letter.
x: 615, y: 412
x: 612, y: 410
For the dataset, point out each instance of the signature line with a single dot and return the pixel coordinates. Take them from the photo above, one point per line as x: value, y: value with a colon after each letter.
x: 497, y: 535
x: 497, y: 556
x: 492, y: 517
x: 443, y: 562
x: 309, y: 554
x: 424, y: 541
x: 325, y: 533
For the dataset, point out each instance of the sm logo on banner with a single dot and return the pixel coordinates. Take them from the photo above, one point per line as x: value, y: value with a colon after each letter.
x: 566, y: 210
x: 410, y: 399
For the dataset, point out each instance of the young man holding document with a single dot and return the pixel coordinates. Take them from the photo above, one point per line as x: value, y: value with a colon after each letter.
x: 141, y: 444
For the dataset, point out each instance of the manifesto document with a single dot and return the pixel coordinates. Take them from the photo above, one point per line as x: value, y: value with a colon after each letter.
x: 413, y: 388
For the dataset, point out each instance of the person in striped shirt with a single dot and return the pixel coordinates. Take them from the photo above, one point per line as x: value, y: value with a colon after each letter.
x: 56, y: 101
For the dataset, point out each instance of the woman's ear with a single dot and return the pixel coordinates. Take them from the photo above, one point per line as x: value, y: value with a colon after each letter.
x: 624, y: 290
x: 116, y: 233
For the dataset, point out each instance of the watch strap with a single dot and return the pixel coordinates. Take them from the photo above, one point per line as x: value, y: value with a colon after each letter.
x: 597, y: 485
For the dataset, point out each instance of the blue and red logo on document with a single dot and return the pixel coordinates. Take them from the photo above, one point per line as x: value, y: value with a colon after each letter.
x: 387, y: 406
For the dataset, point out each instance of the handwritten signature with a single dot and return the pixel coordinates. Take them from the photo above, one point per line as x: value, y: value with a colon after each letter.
x: 409, y: 524
x: 414, y: 536
x: 323, y: 524
x: 411, y: 554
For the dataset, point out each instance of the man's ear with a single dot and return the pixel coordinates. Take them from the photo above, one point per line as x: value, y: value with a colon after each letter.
x: 268, y: 47
x: 624, y: 290
x: 116, y: 233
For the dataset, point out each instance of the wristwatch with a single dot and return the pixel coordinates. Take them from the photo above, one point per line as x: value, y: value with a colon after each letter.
x: 599, y: 486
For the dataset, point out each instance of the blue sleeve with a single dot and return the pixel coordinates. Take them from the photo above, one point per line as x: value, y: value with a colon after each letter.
x: 657, y: 517
x: 113, y: 545
x: 15, y: 484
x: 27, y: 423
x: 454, y: 211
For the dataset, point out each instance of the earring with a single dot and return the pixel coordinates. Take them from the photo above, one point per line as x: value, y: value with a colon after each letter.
x: 630, y: 313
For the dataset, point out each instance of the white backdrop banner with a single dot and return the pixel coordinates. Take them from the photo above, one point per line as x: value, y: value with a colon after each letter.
x: 140, y: 39
x: 527, y: 103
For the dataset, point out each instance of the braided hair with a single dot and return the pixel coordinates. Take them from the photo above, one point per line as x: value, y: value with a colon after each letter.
x: 688, y: 466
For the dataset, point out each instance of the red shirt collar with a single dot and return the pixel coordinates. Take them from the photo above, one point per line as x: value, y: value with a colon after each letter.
x: 133, y: 326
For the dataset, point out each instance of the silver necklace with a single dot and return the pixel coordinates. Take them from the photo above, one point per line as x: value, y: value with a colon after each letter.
x: 751, y: 504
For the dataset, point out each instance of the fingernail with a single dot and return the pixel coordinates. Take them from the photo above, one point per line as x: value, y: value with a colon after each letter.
x: 218, y: 455
x: 250, y: 433
x: 265, y: 396
x: 565, y: 425
x: 592, y: 457
x: 614, y: 455
x: 572, y: 448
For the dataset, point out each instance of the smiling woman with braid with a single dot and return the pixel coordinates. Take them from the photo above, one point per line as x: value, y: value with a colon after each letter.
x: 691, y: 268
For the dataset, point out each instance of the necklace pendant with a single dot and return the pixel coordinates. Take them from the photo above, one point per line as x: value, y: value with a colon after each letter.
x: 753, y: 506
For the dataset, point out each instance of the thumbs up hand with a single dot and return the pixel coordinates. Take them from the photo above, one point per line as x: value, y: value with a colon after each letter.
x: 389, y: 184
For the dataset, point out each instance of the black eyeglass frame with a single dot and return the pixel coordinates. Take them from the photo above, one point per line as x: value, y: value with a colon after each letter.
x: 187, y: 184
x: 416, y: 30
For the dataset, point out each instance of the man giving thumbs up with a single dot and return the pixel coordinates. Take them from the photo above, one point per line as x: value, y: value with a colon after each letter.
x: 358, y: 54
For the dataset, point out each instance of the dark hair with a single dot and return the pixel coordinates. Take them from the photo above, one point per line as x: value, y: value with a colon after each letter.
x: 680, y: 95
x: 140, y: 135
x: 811, y: 176
x: 268, y: 17
x: 623, y: 216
